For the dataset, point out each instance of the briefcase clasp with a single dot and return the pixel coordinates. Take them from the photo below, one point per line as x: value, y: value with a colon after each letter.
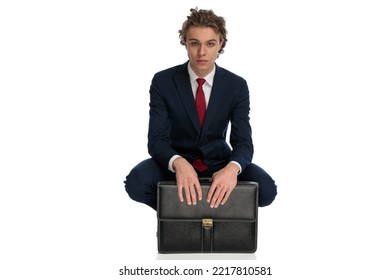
x: 207, y: 223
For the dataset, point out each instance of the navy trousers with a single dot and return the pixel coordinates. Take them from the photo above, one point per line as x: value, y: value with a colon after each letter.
x: 141, y: 183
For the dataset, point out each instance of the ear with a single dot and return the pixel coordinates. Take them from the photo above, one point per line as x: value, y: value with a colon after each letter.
x: 220, y: 44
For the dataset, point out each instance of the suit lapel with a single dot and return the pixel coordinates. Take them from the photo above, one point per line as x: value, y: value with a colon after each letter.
x: 217, y: 95
x: 185, y: 91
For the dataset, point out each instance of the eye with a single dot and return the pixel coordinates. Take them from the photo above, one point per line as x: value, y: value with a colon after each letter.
x: 194, y: 44
x: 211, y: 44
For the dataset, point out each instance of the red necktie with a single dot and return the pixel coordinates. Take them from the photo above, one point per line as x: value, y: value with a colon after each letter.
x: 200, y: 101
x: 201, y: 108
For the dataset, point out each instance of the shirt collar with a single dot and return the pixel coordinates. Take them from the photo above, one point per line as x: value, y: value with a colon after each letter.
x: 209, y: 78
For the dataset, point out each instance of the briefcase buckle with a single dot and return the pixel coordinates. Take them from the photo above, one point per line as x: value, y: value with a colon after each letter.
x: 207, y: 223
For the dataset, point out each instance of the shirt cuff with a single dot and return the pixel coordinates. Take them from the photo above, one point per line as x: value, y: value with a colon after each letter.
x: 170, y: 167
x: 239, y: 166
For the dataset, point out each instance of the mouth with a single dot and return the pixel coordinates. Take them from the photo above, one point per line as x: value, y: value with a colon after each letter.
x: 201, y: 61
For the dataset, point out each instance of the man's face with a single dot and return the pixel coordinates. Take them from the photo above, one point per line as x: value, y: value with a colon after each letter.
x: 202, y: 44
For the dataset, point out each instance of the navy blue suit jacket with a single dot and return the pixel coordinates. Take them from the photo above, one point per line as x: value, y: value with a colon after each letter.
x: 174, y: 125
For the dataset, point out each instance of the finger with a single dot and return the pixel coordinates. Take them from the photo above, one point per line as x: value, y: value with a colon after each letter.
x: 220, y: 197
x: 210, y: 194
x: 193, y: 194
x: 215, y: 197
x: 198, y: 189
x: 226, y: 197
x: 180, y: 192
x: 188, y: 194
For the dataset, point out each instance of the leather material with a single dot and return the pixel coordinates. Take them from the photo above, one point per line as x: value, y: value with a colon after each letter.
x: 181, y: 227
x: 207, y: 241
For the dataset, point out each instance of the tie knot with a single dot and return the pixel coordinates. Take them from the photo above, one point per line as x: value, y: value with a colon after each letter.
x: 200, y: 81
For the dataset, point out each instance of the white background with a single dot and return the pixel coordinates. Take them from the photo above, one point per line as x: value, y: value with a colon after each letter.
x: 74, y: 81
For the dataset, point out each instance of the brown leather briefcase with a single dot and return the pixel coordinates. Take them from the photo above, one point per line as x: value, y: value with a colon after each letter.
x: 230, y: 228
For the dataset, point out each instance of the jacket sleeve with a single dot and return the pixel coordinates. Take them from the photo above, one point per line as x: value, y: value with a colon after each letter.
x: 241, y: 132
x: 159, y: 139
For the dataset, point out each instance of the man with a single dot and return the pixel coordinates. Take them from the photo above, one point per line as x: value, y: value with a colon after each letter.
x: 185, y: 144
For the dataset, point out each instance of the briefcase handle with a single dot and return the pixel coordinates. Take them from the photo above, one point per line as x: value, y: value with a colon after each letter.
x: 205, y: 180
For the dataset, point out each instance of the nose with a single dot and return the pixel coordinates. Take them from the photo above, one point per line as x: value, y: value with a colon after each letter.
x: 202, y: 50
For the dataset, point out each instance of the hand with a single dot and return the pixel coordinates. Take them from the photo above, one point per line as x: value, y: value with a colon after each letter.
x: 224, y: 181
x: 187, y: 179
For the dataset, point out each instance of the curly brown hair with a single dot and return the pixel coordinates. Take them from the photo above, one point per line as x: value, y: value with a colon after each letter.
x: 204, y: 18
